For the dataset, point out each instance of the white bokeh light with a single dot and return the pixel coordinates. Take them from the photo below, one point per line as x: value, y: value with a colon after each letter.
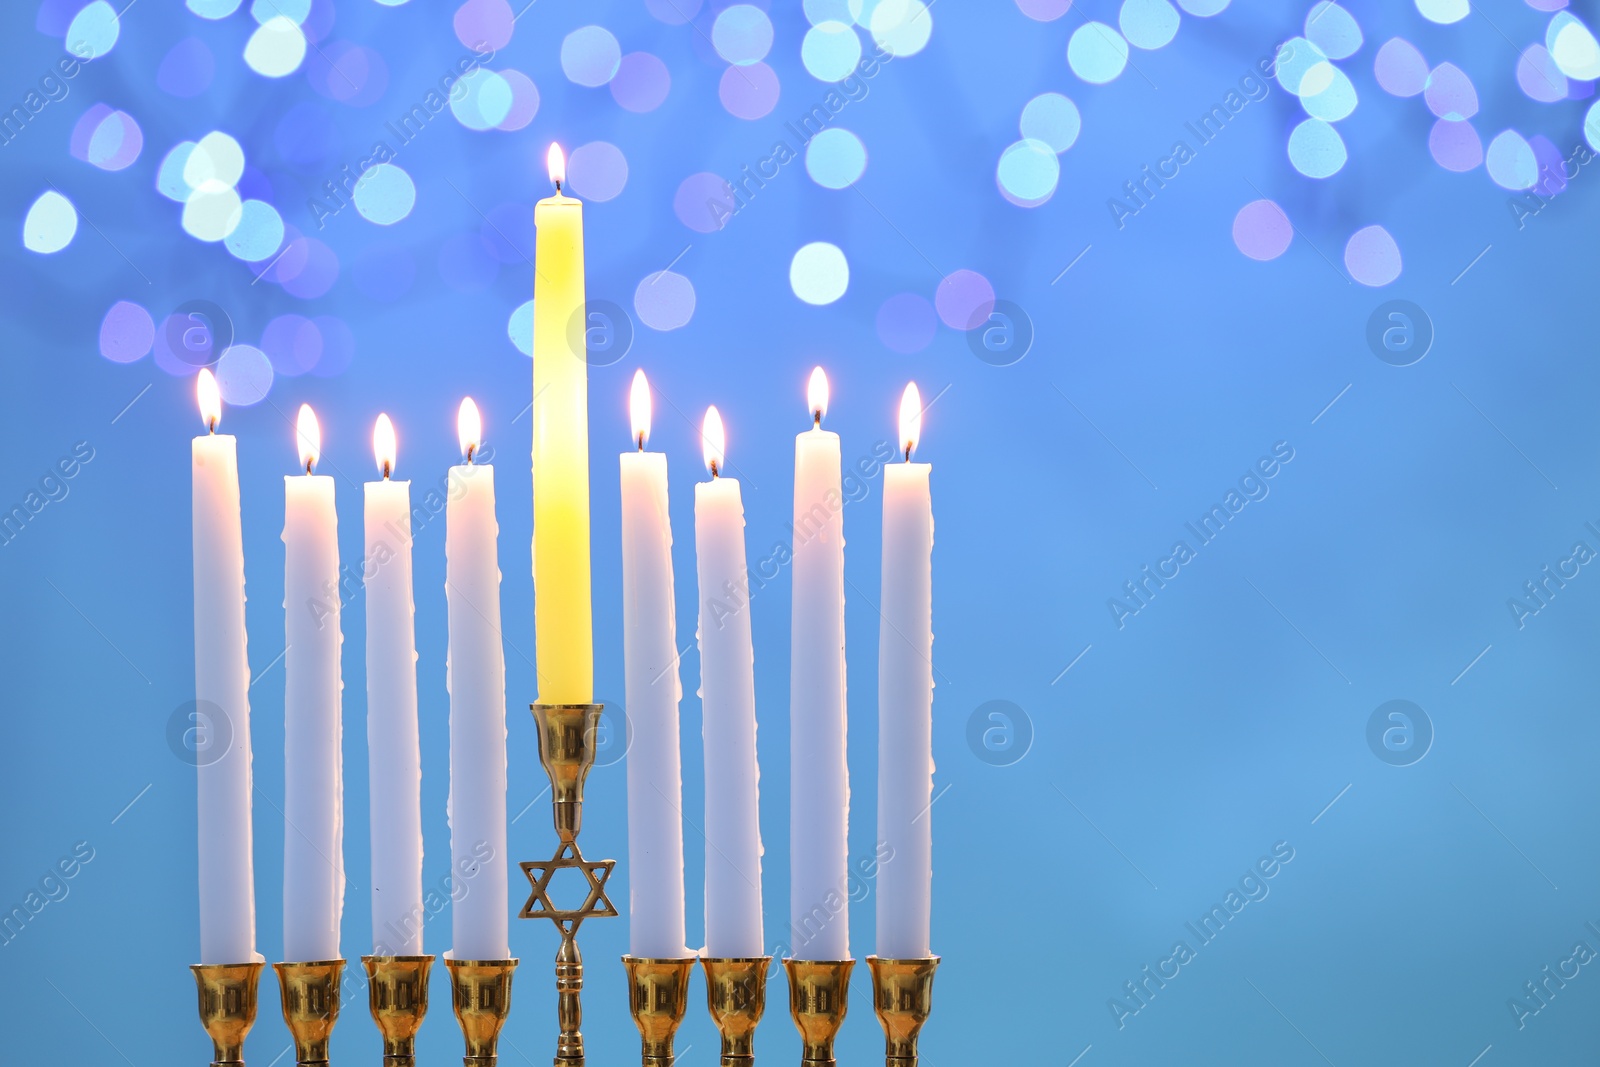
x: 50, y: 224
x: 819, y: 273
x: 212, y: 211
x: 1097, y: 53
x: 277, y: 48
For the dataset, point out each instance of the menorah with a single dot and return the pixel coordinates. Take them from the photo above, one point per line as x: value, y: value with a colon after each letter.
x: 658, y: 989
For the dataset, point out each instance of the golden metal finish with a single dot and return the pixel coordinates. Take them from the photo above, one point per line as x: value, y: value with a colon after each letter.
x: 310, y: 993
x: 736, y: 993
x: 902, y: 997
x: 658, y: 994
x: 819, y: 996
x: 227, y: 1007
x: 566, y: 750
x: 481, y: 993
x: 397, y: 994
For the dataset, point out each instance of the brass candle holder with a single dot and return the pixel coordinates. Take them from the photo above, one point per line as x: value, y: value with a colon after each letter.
x: 736, y: 994
x: 397, y: 994
x: 227, y: 1007
x: 566, y: 749
x: 481, y: 994
x: 310, y: 993
x: 902, y: 998
x: 819, y: 996
x: 658, y: 994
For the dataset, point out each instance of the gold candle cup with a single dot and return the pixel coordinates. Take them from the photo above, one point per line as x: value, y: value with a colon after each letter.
x: 819, y: 996
x: 227, y: 1007
x: 902, y: 998
x: 397, y: 994
x: 566, y: 735
x: 736, y: 994
x: 658, y: 994
x: 481, y: 994
x: 310, y: 994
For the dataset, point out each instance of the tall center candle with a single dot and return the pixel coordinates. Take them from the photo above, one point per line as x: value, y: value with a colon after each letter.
x: 563, y: 627
x: 313, y: 795
x: 905, y: 700
x: 728, y: 710
x: 650, y: 672
x: 819, y: 779
x: 475, y: 674
x: 394, y: 756
x: 222, y: 695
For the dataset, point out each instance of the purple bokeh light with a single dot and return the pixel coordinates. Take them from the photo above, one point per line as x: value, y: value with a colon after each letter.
x: 907, y: 323
x: 704, y: 202
x: 964, y: 299
x: 127, y: 332
x: 641, y: 83
x: 749, y: 92
x: 1261, y: 230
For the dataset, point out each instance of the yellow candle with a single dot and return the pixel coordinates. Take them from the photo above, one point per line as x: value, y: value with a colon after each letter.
x: 563, y: 626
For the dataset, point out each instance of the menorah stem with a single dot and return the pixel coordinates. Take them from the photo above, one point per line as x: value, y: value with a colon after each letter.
x: 566, y: 749
x: 569, y: 1002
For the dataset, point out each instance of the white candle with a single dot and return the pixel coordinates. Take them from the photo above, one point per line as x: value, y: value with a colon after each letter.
x: 819, y: 779
x: 313, y: 794
x: 394, y: 757
x: 650, y: 671
x: 476, y: 677
x: 222, y: 695
x: 728, y: 701
x: 905, y: 700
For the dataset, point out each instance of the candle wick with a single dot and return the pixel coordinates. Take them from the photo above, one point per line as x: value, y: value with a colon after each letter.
x: 471, y: 451
x: 816, y: 418
x: 385, y: 470
x: 715, y: 473
x: 211, y: 426
x: 908, y: 451
x: 558, y: 186
x: 640, y: 439
x: 310, y: 464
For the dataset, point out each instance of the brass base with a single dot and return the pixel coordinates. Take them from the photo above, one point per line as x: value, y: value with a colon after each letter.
x: 481, y: 993
x: 658, y: 994
x: 819, y: 996
x: 227, y: 1007
x: 736, y: 993
x: 397, y: 993
x: 902, y: 997
x: 310, y: 1006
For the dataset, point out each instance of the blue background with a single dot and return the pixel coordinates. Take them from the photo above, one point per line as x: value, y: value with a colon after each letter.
x: 1138, y: 786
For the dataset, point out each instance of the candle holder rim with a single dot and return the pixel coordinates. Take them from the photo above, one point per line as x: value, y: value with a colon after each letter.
x: 309, y: 963
x: 568, y: 705
x: 735, y: 959
x: 202, y: 968
x: 397, y: 959
x: 904, y: 959
x: 449, y: 959
x: 628, y: 957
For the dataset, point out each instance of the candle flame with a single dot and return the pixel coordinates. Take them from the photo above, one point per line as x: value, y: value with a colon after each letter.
x: 469, y: 427
x: 308, y: 435
x: 817, y: 395
x: 910, y: 419
x: 210, y: 397
x: 639, y: 408
x: 713, y: 441
x: 556, y: 160
x: 383, y: 445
